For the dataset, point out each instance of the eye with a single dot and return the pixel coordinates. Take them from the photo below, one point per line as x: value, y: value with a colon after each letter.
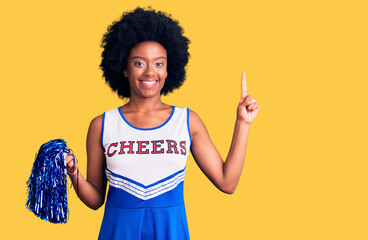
x: 159, y: 64
x: 139, y: 64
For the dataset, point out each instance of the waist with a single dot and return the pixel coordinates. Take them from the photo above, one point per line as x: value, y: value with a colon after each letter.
x: 160, y: 197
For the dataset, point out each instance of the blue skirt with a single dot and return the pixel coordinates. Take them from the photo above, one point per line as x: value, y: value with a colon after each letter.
x: 147, y: 223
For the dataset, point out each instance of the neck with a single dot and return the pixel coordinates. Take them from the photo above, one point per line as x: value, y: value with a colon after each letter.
x: 144, y: 104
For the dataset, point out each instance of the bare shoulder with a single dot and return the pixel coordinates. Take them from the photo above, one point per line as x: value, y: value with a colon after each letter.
x: 196, y: 125
x: 96, y: 125
x: 97, y: 121
x: 194, y: 117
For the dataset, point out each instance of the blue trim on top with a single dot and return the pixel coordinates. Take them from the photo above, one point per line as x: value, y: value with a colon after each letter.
x: 102, y: 130
x: 190, y: 136
x: 147, y: 129
x: 140, y: 184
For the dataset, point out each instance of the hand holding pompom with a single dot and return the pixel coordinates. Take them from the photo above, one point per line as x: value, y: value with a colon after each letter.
x: 71, y: 165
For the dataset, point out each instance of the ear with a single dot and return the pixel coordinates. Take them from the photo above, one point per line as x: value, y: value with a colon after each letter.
x: 125, y: 73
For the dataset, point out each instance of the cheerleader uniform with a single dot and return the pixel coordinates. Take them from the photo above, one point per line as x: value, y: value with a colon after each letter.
x: 145, y: 168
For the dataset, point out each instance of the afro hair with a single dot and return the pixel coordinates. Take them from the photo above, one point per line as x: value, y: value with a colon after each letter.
x: 138, y: 26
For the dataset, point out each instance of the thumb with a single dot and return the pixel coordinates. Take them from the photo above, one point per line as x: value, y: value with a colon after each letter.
x: 244, y: 102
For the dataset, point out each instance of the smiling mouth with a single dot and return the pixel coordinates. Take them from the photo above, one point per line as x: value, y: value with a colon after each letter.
x: 149, y: 84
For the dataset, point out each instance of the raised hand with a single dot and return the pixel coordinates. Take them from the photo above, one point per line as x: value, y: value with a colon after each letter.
x: 248, y: 107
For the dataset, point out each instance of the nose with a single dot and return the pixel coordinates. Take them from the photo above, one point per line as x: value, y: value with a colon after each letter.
x: 149, y: 70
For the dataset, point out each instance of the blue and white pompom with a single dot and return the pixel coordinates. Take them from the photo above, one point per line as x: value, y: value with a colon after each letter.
x: 47, y: 184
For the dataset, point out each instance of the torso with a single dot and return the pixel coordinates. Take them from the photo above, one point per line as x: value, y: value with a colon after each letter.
x: 146, y: 156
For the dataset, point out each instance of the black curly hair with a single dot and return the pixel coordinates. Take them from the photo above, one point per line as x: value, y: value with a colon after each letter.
x: 135, y: 27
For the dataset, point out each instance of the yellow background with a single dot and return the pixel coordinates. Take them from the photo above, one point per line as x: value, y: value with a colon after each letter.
x: 305, y: 174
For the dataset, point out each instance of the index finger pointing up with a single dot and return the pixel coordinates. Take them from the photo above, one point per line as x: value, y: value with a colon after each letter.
x: 243, y: 86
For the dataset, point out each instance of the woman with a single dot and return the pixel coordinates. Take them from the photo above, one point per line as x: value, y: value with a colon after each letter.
x: 142, y: 147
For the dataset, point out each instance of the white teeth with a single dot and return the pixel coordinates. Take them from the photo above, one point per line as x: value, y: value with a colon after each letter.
x: 149, y: 83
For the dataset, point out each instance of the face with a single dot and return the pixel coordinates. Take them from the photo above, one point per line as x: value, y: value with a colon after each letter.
x: 146, y: 69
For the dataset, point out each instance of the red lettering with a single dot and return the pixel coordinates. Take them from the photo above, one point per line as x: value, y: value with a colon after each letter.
x: 108, y: 149
x: 171, y: 144
x: 144, y: 147
x: 183, y: 149
x: 141, y: 146
x: 157, y: 144
x: 130, y: 146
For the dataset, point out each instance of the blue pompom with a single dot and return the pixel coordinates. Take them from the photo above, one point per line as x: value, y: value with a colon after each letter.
x: 47, y: 184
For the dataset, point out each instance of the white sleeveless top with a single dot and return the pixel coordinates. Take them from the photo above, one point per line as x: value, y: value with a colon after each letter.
x: 146, y: 162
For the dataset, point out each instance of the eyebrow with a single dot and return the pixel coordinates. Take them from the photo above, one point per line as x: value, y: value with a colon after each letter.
x: 145, y: 59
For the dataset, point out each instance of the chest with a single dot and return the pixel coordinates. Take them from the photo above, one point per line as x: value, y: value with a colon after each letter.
x: 146, y: 155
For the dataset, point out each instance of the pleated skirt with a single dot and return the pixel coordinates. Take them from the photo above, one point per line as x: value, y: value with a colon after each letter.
x: 148, y: 223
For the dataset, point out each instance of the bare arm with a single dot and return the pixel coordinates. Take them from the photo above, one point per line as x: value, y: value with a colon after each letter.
x: 91, y: 191
x: 224, y: 175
